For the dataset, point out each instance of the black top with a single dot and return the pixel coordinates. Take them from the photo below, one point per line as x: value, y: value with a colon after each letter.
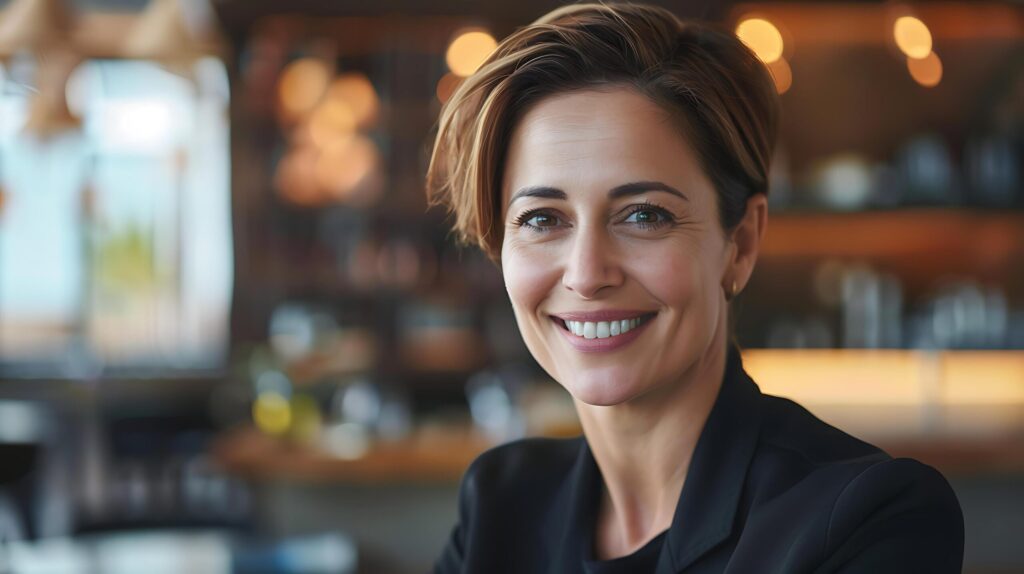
x: 643, y: 560
x: 770, y: 488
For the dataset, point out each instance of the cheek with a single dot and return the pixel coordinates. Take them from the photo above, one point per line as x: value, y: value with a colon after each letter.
x: 675, y: 277
x: 527, y: 280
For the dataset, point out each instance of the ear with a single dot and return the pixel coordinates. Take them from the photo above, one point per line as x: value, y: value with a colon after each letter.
x: 745, y: 243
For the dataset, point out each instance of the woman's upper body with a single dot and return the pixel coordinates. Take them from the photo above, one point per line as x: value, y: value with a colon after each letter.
x: 614, y: 161
x: 770, y: 488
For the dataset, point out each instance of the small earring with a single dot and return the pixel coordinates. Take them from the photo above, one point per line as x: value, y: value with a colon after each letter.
x: 731, y: 293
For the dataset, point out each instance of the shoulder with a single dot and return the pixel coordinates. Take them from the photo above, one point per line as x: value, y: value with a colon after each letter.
x: 507, y: 496
x: 516, y: 485
x: 788, y: 426
x: 861, y: 502
x: 795, y: 442
x: 897, y: 485
x: 899, y: 513
x: 518, y: 475
x: 524, y: 463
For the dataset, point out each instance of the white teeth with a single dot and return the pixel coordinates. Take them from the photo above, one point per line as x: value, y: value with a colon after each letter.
x: 601, y: 329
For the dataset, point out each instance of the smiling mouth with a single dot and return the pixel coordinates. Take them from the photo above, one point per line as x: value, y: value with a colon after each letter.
x: 602, y: 329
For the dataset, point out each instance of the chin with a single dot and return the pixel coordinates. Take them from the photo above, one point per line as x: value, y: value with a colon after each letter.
x: 603, y: 389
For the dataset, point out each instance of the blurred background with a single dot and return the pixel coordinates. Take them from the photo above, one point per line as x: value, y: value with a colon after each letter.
x: 233, y: 338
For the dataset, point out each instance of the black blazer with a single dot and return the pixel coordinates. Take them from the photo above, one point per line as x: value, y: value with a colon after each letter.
x: 770, y: 488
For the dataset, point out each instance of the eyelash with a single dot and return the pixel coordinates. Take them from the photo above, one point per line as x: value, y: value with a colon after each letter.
x: 666, y: 217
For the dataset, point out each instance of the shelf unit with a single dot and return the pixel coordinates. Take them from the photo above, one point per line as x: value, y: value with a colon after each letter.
x: 960, y: 411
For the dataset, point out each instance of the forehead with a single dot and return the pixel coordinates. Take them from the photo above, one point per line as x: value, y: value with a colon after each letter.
x: 597, y: 140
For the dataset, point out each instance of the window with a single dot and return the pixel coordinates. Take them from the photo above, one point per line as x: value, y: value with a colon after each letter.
x: 115, y: 238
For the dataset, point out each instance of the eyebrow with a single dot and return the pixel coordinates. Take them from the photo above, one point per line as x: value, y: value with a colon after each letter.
x: 624, y: 190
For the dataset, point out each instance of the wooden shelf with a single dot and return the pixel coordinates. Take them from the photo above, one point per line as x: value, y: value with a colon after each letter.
x: 994, y: 236
x: 437, y: 457
x: 250, y: 454
x: 959, y: 411
x: 923, y: 243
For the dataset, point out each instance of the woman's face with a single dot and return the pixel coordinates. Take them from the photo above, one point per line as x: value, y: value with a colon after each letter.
x: 611, y: 224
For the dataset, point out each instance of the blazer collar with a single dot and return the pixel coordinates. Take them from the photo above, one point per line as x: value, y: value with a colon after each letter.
x: 718, y: 468
x: 710, y: 497
x: 572, y: 518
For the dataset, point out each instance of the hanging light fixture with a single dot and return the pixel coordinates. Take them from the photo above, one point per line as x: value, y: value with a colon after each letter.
x: 42, y: 30
x: 174, y: 33
x: 48, y: 113
x: 35, y: 26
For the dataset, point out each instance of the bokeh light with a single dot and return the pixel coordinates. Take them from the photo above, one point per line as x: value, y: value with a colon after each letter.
x: 294, y: 177
x: 912, y: 37
x: 344, y: 164
x: 762, y: 37
x: 468, y: 51
x: 301, y: 86
x: 446, y: 86
x: 782, y: 74
x: 356, y: 91
x: 272, y: 413
x: 926, y: 71
x: 331, y: 119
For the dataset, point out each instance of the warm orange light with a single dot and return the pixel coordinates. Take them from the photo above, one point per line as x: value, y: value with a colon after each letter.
x: 356, y: 91
x: 302, y: 85
x: 332, y: 119
x: 762, y: 37
x: 294, y: 178
x: 837, y: 376
x: 344, y: 164
x: 468, y: 51
x: 983, y: 377
x: 912, y: 37
x: 927, y: 71
x: 782, y: 74
x: 446, y: 86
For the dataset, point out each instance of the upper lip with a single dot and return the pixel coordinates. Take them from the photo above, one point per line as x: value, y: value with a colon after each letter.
x: 602, y: 315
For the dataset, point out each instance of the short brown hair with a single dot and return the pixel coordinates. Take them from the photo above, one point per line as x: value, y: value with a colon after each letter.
x: 720, y: 92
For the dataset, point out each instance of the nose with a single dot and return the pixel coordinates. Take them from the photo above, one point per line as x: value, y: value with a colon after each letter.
x: 593, y: 263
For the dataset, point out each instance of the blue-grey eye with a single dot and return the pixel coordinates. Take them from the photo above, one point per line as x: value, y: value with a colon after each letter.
x: 542, y: 220
x: 645, y: 216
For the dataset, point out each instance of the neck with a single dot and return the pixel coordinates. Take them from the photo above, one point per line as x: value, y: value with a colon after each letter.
x: 643, y: 448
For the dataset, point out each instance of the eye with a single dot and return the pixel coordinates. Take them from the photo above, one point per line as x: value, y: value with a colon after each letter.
x: 644, y: 216
x: 542, y: 220
x: 649, y: 215
x: 537, y: 220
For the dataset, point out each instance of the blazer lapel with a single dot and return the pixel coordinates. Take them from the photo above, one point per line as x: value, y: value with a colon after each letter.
x: 571, y: 520
x: 714, y: 482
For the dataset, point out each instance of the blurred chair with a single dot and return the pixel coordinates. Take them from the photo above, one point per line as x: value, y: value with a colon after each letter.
x: 24, y: 436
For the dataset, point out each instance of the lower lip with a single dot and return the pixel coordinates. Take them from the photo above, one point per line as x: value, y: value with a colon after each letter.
x: 595, y: 345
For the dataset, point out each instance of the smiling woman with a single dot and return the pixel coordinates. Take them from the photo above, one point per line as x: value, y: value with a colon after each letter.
x: 604, y: 250
x: 614, y: 161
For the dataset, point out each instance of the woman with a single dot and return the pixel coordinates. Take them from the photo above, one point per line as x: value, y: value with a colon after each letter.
x: 614, y: 160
